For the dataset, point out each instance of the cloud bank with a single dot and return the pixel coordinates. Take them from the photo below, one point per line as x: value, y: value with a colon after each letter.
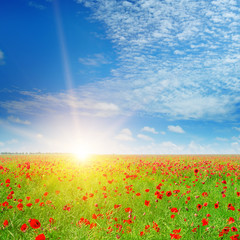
x: 178, y: 59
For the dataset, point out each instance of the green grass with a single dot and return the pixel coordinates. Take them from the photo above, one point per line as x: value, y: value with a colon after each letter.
x: 62, y: 182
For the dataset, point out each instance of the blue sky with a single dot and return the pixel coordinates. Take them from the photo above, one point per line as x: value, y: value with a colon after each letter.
x: 108, y: 76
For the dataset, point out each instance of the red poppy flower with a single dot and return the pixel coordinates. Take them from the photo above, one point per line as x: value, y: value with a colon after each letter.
x: 175, y: 210
x: 159, y: 196
x: 196, y: 170
x: 168, y: 193
x: 226, y: 230
x: 147, y: 203
x: 177, y: 230
x: 92, y: 225
x: 234, y: 229
x: 128, y: 210
x: 24, y: 227
x: 204, y: 194
x: 175, y: 236
x: 199, y: 206
x: 7, y: 181
x: 235, y: 237
x: 117, y: 206
x: 20, y: 206
x: 231, y: 220
x: 5, y: 204
x: 40, y: 237
x: 220, y: 234
x: 216, y: 205
x: 5, y: 223
x: 232, y: 208
x: 204, y: 221
x: 147, y: 227
x: 34, y: 223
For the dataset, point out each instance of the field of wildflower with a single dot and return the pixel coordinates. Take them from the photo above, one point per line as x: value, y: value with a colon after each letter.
x: 119, y: 197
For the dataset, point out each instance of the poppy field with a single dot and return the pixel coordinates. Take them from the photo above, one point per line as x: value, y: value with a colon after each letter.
x: 119, y: 197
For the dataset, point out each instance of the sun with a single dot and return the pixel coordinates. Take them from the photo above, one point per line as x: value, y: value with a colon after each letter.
x: 82, y: 154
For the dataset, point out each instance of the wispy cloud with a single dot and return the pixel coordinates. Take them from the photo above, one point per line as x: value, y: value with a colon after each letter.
x: 1, y: 57
x: 12, y: 141
x: 179, y: 59
x: 36, y: 5
x: 236, y: 128
x: 169, y: 147
x: 176, y: 129
x: 149, y: 129
x: 125, y: 135
x: 95, y: 60
x: 18, y: 120
x: 144, y: 137
x: 38, y: 103
x: 39, y: 136
x: 8, y: 142
x: 221, y: 139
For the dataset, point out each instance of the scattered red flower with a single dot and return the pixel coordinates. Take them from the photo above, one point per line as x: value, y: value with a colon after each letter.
x: 40, y: 237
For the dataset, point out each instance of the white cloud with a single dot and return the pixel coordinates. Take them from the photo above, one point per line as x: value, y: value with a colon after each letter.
x: 18, y: 120
x: 176, y: 129
x: 178, y: 52
x: 2, y: 144
x: 236, y: 128
x: 125, y: 135
x: 144, y: 137
x: 149, y: 129
x: 95, y: 60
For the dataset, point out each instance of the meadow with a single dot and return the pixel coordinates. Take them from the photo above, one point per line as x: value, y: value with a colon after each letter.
x: 119, y: 197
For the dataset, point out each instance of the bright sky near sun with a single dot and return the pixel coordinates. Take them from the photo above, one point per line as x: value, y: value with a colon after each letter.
x: 113, y: 76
